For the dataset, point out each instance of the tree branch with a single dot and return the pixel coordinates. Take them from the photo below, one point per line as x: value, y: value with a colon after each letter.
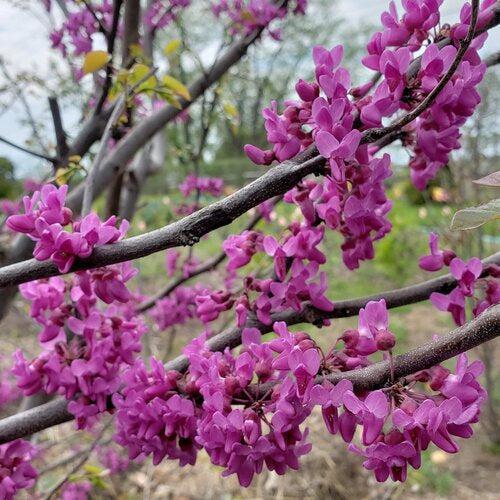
x: 482, y: 329
x: 61, y: 145
x: 117, y: 4
x: 28, y: 151
x: 88, y: 194
x: 186, y: 231
x: 210, y: 265
x: 231, y: 337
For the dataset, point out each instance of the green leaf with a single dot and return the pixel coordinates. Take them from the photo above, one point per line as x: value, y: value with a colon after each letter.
x: 472, y: 217
x: 168, y: 96
x: 177, y: 87
x: 172, y: 47
x: 490, y: 180
x: 230, y: 110
x: 137, y: 73
x: 93, y: 469
x: 95, y: 60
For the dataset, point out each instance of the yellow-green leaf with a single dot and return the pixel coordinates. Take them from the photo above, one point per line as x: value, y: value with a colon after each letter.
x: 167, y: 95
x: 172, y: 47
x: 95, y: 60
x: 63, y: 175
x: 136, y: 50
x: 230, y: 110
x: 177, y: 87
x: 137, y: 73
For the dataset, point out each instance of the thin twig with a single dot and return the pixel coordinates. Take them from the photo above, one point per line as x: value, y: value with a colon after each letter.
x: 61, y: 145
x: 110, y: 49
x: 28, y: 151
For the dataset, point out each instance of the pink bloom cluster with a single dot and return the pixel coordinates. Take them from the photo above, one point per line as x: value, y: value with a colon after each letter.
x: 297, y: 278
x: 240, y: 248
x: 209, y: 185
x: 468, y: 276
x: 178, y: 307
x: 152, y: 418
x: 44, y: 219
x: 352, y: 198
x: 169, y: 414
x: 76, y: 490
x: 85, y: 347
x: 160, y: 14
x: 112, y: 459
x: 435, y: 133
x: 78, y: 29
x: 16, y: 471
x: 247, y: 16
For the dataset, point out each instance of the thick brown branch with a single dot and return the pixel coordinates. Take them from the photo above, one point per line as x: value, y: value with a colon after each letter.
x: 208, y: 266
x: 184, y: 232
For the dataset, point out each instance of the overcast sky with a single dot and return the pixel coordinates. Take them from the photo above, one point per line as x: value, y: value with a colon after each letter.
x: 24, y: 46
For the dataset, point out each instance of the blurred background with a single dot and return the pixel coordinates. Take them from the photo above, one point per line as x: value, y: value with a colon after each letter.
x: 231, y: 117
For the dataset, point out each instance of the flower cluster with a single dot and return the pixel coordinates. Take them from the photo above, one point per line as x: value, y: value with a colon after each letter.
x: 332, y: 115
x: 76, y: 490
x: 44, y: 219
x: 80, y: 26
x: 16, y: 471
x: 246, y: 16
x: 85, y: 347
x: 209, y: 185
x: 178, y: 307
x: 240, y: 248
x: 352, y: 198
x: 152, y: 418
x: 468, y: 276
x: 169, y: 414
x: 158, y: 15
x: 435, y: 133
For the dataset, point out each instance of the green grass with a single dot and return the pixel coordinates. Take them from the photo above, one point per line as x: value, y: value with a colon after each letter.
x: 432, y: 477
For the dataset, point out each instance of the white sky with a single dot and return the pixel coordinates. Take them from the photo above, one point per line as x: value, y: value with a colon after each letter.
x: 25, y: 47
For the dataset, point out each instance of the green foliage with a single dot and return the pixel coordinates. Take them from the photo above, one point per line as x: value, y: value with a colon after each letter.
x: 431, y: 475
x: 9, y: 186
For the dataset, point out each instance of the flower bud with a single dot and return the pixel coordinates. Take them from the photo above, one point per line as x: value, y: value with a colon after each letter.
x: 350, y: 338
x: 307, y: 91
x: 448, y: 256
x: 257, y: 155
x: 385, y: 340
